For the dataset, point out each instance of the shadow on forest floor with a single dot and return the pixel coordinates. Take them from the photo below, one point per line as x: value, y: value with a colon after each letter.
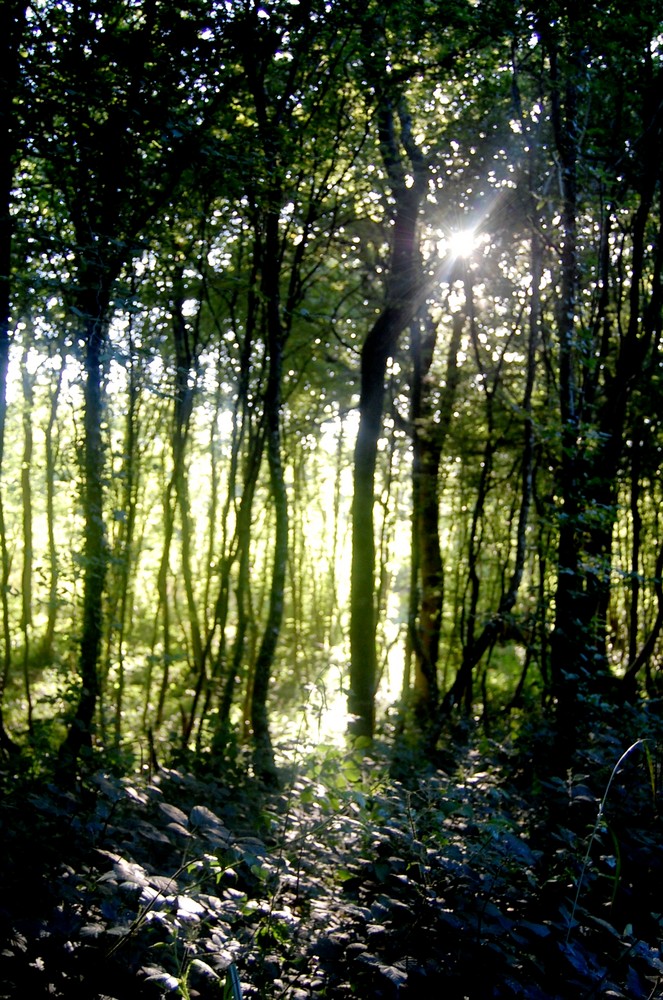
x: 349, y: 883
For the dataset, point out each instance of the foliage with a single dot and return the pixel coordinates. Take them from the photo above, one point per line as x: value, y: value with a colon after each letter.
x: 365, y: 876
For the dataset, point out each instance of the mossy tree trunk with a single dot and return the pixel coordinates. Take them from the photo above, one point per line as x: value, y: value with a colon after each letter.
x: 93, y: 306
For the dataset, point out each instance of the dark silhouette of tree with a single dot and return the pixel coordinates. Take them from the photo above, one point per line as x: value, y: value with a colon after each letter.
x: 407, y: 176
x: 12, y: 28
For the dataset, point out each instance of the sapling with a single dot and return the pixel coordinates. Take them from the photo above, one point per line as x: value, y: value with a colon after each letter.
x: 599, y: 816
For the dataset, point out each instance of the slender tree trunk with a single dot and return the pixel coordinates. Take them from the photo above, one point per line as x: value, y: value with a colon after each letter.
x: 6, y: 743
x: 26, y: 488
x: 95, y: 555
x: 298, y: 576
x: 568, y: 639
x: 428, y: 573
x: 237, y: 654
x: 164, y: 608
x: 363, y: 667
x: 403, y: 293
x: 263, y: 753
x: 46, y: 651
x: 629, y: 680
x: 127, y: 536
x: 186, y: 348
x: 334, y: 635
x: 12, y: 26
x: 636, y: 542
x: 227, y: 668
x: 217, y: 565
x: 462, y: 689
x: 176, y: 499
x: 263, y: 750
x: 430, y: 426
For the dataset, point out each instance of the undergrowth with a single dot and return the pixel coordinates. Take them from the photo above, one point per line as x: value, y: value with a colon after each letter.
x: 492, y: 878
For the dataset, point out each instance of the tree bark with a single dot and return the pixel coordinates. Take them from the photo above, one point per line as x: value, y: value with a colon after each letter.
x: 126, y: 541
x: 12, y: 26
x: 429, y: 432
x: 263, y: 749
x: 94, y: 305
x: 46, y: 650
x: 186, y: 377
x: 404, y: 291
x: 26, y: 489
x: 568, y: 638
x: 595, y: 395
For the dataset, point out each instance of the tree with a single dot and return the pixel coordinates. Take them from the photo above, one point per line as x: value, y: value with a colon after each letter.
x: 283, y: 99
x: 108, y: 79
x: 604, y: 346
x: 12, y: 27
x: 430, y: 426
x: 407, y: 175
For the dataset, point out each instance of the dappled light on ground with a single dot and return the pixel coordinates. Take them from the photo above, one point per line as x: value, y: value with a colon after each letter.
x: 348, y: 882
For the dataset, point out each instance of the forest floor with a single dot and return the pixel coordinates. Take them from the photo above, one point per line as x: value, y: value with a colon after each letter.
x: 360, y: 877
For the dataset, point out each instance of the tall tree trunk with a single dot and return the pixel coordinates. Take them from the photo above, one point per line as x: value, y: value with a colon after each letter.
x: 176, y: 500
x: 363, y: 650
x: 428, y: 572
x: 462, y: 689
x: 12, y: 26
x: 430, y: 426
x: 163, y: 607
x: 46, y: 650
x: 403, y: 295
x: 235, y: 551
x: 568, y: 639
x: 636, y: 543
x: 227, y: 666
x: 230, y: 677
x: 26, y: 489
x: 94, y: 306
x: 263, y: 750
x: 186, y: 348
x: 129, y: 505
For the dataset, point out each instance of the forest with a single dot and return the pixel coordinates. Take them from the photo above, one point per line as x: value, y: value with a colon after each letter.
x: 331, y: 543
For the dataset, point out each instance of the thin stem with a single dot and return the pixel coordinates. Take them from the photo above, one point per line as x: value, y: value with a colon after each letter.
x: 599, y: 817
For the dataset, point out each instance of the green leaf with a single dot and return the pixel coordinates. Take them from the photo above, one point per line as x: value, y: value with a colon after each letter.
x: 233, y: 987
x: 343, y: 875
x: 351, y: 771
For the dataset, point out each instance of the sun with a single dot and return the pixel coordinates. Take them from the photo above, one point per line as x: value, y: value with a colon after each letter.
x: 462, y: 243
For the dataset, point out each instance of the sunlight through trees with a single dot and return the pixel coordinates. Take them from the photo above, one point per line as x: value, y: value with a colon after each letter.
x: 330, y: 369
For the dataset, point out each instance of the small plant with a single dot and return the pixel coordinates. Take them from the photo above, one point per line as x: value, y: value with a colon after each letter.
x: 599, y: 819
x: 233, y: 987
